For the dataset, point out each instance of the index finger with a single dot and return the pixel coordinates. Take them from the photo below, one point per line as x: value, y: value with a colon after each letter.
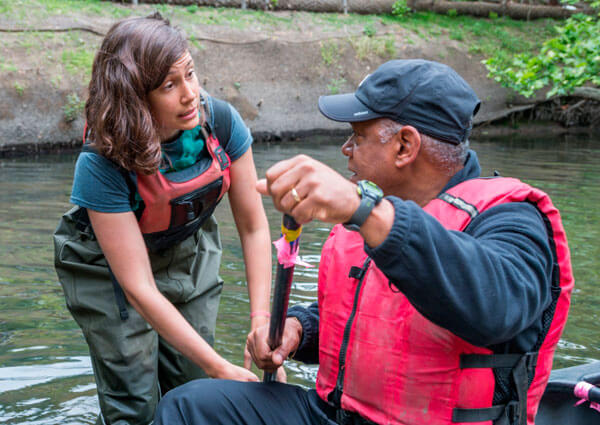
x: 279, y: 168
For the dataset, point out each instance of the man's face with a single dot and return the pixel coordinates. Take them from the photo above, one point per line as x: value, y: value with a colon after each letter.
x: 371, y: 153
x: 174, y: 104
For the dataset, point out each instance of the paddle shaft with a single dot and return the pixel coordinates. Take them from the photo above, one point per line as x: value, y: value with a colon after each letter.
x: 281, y: 297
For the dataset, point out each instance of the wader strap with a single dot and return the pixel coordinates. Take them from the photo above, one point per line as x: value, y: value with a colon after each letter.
x: 119, y: 296
x: 512, y: 413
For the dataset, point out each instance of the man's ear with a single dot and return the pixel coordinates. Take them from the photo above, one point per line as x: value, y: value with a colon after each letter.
x: 408, y: 141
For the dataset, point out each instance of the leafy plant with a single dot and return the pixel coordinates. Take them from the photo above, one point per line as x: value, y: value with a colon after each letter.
x: 193, y: 8
x: 20, y: 89
x: 564, y: 63
x: 73, y: 108
x: 400, y: 8
x: 493, y: 15
x: 369, y: 30
x: 453, y: 13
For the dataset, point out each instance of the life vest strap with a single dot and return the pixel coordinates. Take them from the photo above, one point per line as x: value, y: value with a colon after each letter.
x: 495, y: 361
x: 478, y: 415
x: 514, y: 412
x: 459, y: 203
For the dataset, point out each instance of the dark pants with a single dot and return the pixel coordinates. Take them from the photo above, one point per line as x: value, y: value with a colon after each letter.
x: 221, y: 402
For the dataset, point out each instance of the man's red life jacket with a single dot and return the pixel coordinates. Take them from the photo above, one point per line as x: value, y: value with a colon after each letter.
x: 380, y: 358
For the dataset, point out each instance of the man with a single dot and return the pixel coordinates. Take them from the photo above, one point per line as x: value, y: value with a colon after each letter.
x: 440, y: 303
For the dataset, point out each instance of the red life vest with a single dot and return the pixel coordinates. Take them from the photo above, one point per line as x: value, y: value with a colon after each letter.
x: 380, y: 358
x: 176, y: 207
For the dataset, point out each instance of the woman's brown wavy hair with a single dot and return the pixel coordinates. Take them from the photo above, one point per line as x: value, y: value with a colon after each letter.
x: 134, y: 59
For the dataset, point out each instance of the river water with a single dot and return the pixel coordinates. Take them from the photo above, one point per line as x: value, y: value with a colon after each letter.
x: 45, y: 371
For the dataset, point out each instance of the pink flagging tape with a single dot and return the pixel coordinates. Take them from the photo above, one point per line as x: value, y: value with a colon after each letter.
x: 287, y: 256
x: 581, y: 391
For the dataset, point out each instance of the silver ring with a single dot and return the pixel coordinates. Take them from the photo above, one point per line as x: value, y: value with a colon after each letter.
x: 295, y: 195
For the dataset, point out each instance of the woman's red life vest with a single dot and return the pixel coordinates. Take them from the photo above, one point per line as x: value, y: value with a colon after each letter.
x: 380, y: 358
x: 176, y: 207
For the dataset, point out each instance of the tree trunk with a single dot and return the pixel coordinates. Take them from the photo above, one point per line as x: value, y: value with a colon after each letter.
x: 483, y: 9
x: 332, y: 6
x: 591, y: 93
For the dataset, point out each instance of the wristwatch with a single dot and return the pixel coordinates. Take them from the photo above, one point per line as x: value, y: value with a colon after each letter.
x: 370, y: 195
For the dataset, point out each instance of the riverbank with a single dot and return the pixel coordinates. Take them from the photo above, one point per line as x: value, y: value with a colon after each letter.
x: 272, y: 66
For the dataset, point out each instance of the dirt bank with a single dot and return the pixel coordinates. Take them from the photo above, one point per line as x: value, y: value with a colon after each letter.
x: 272, y: 66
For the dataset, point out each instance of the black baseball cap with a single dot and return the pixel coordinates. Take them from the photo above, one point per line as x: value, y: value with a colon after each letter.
x: 428, y: 95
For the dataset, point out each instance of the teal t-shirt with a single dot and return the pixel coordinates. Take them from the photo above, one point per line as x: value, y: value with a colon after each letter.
x: 98, y: 184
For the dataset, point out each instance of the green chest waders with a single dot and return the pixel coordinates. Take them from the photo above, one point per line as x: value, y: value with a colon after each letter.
x: 132, y: 365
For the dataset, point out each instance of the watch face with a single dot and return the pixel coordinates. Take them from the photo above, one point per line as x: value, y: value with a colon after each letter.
x: 369, y: 188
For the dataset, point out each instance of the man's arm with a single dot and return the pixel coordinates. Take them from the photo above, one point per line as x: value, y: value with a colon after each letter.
x: 308, y: 349
x: 486, y: 285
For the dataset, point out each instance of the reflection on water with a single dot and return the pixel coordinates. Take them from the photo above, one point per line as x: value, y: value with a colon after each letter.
x: 45, y: 372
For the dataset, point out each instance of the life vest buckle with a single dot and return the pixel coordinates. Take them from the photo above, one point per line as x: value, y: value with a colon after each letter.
x: 513, y: 412
x: 221, y: 157
x: 356, y: 272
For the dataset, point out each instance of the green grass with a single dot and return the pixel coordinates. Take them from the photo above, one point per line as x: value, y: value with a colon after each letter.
x: 485, y: 37
x: 384, y: 47
x: 19, y: 88
x: 335, y: 85
x: 78, y: 61
x: 330, y: 52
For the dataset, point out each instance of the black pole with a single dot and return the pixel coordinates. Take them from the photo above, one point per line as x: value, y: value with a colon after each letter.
x: 283, y: 284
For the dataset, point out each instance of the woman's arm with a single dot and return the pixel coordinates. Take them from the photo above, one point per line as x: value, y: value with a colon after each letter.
x: 124, y: 248
x: 253, y: 228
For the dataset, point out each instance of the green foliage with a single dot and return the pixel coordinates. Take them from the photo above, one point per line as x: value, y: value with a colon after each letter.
x: 78, y: 61
x: 73, y: 108
x: 457, y: 34
x: 400, y: 8
x: 452, y: 13
x: 196, y: 43
x: 335, y: 85
x: 565, y: 62
x: 369, y: 30
x: 330, y: 52
x: 493, y: 15
x: 237, y: 85
x: 7, y: 66
x: 193, y: 8
x: 20, y: 89
x: 382, y: 47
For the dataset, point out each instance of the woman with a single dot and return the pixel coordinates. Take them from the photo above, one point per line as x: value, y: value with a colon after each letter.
x: 138, y: 257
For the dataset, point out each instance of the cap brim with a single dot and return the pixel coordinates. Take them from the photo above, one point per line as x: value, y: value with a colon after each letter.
x: 345, y: 108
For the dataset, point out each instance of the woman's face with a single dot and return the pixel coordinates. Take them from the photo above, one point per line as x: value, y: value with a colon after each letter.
x: 174, y: 104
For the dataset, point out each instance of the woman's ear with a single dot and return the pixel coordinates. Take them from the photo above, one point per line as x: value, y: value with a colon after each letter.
x: 408, y: 142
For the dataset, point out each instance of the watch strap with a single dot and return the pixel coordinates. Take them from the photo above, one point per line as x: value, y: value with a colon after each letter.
x: 368, y: 201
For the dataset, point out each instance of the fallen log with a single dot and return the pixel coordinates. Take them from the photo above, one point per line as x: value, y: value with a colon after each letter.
x: 473, y: 8
x: 484, y: 9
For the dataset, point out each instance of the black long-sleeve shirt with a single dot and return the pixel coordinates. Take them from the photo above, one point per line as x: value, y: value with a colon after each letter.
x: 488, y: 285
